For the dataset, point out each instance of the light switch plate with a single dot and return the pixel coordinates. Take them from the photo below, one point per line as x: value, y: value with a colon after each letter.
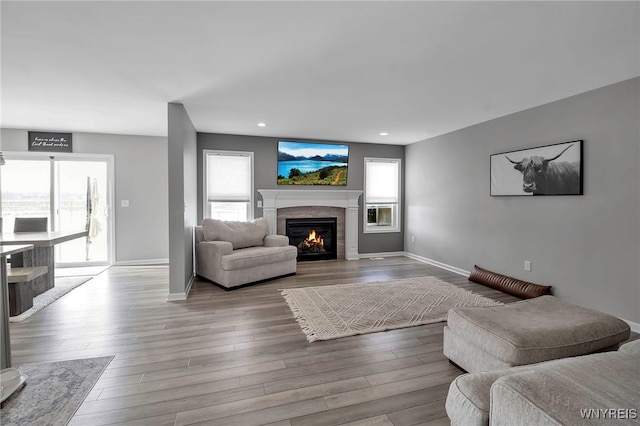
x: 124, y: 203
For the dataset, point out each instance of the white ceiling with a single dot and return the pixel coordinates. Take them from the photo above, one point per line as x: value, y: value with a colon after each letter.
x: 340, y: 71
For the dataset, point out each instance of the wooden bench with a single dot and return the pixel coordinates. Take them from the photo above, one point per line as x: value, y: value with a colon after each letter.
x: 20, y: 291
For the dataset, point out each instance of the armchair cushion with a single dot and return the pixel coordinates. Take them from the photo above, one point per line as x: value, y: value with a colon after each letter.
x: 239, y: 234
x: 276, y: 241
x: 251, y: 257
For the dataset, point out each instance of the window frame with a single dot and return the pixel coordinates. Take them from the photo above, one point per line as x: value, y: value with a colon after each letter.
x: 396, y: 225
x: 205, y: 195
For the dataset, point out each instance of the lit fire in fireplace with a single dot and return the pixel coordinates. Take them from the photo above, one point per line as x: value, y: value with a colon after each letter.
x: 312, y: 244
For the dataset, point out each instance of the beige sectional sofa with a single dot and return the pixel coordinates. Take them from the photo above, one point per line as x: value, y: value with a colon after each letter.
x: 601, y: 388
x: 232, y: 254
x: 540, y: 361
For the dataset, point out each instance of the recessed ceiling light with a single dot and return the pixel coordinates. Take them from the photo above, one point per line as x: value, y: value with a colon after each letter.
x: 262, y: 124
x: 384, y: 134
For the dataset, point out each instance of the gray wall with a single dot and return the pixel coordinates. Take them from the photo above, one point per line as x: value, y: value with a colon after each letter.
x: 141, y: 229
x: 265, y: 174
x: 587, y: 247
x: 182, y: 199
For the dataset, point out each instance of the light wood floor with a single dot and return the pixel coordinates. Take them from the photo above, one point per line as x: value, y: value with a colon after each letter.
x: 239, y: 357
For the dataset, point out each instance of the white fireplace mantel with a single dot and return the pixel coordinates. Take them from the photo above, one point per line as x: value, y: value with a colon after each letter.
x: 274, y: 199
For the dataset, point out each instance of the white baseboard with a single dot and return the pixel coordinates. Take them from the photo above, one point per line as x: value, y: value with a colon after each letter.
x: 382, y: 254
x: 449, y: 268
x: 174, y: 297
x: 422, y: 259
x: 142, y: 262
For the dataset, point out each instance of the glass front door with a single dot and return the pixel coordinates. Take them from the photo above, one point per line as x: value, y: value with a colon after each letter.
x: 73, y: 192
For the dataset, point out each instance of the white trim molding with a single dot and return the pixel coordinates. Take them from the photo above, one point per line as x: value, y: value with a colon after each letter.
x: 274, y: 199
x: 449, y: 268
x: 387, y: 200
x: 377, y: 256
x: 176, y: 297
x: 205, y: 184
x: 142, y: 262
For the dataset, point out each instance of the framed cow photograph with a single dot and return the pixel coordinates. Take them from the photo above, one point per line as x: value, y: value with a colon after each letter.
x: 544, y: 170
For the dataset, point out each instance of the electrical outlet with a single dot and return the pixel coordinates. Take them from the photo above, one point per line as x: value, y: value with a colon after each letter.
x: 527, y: 265
x: 413, y: 239
x: 259, y: 203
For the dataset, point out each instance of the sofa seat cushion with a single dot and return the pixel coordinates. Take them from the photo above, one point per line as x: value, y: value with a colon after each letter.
x: 257, y: 256
x: 239, y: 234
x: 536, y: 330
x: 470, y: 399
x: 563, y: 392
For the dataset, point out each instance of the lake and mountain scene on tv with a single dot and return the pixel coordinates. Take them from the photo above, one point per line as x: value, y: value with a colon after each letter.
x: 305, y: 163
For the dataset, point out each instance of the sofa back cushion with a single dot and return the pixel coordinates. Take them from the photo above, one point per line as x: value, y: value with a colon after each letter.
x: 239, y: 234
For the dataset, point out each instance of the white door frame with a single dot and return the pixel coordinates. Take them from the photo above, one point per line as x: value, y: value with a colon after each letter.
x: 109, y: 159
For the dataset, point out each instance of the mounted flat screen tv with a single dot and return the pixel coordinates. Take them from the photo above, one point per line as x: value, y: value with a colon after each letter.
x: 307, y: 163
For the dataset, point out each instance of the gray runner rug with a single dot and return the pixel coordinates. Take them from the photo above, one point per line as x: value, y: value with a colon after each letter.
x: 53, y: 391
x: 63, y: 285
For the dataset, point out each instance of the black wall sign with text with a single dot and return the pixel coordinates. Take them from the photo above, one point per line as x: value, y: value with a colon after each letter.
x: 50, y: 142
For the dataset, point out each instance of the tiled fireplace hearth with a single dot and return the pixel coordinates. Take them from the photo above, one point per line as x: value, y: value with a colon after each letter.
x: 342, y: 204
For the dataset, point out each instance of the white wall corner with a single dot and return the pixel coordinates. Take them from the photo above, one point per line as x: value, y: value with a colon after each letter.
x: 176, y: 297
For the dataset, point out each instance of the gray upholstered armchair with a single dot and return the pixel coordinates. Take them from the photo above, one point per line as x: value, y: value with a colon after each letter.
x: 232, y: 254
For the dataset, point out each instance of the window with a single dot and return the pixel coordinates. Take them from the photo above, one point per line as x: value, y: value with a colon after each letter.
x: 228, y: 185
x: 382, y: 194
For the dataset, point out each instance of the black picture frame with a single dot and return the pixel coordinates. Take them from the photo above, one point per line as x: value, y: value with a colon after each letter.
x: 555, y: 169
x: 50, y: 142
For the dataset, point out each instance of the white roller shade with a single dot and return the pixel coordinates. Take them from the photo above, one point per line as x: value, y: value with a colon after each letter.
x: 228, y: 177
x: 382, y: 181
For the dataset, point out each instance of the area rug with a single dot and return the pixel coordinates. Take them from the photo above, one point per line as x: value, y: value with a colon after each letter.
x: 334, y: 311
x: 53, y: 391
x: 62, y: 286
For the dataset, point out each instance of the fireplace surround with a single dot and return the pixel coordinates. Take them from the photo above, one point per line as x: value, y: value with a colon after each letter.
x: 275, y: 199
